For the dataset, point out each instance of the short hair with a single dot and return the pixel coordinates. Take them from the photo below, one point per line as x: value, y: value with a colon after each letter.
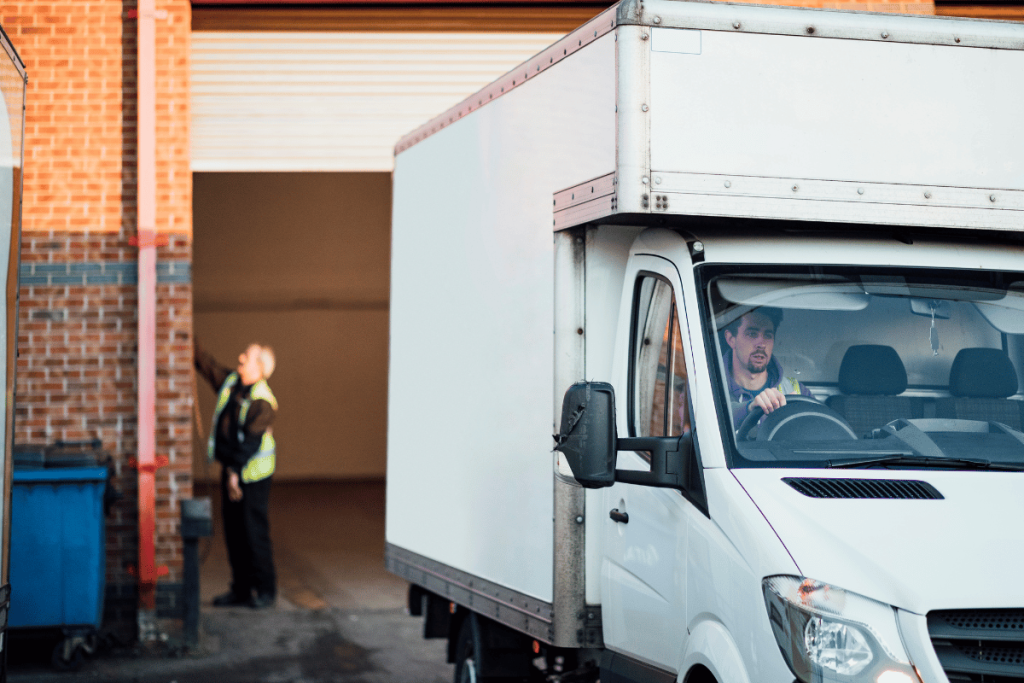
x: 773, y: 314
x: 267, y: 360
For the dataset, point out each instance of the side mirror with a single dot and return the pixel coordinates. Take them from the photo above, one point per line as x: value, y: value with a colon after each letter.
x: 588, y: 440
x: 587, y: 434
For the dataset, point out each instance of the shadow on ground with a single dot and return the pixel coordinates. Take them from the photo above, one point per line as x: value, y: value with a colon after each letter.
x: 269, y: 646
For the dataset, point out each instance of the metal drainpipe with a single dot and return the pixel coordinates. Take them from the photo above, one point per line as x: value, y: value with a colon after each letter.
x: 146, y: 198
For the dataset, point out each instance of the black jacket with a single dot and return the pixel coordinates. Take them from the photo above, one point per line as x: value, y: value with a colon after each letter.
x: 227, y: 449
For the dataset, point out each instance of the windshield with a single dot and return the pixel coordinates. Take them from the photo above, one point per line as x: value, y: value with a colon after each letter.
x: 852, y: 367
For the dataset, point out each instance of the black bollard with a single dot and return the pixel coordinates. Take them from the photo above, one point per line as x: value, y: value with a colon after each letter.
x: 196, y: 523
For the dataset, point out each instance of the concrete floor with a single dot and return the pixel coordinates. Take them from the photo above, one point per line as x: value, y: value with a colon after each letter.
x: 328, y: 547
x: 340, y: 616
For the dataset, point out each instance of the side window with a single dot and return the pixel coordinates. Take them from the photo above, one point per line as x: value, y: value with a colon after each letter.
x: 660, y: 405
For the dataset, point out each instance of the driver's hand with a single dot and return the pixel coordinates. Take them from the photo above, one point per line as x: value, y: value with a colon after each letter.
x: 768, y: 400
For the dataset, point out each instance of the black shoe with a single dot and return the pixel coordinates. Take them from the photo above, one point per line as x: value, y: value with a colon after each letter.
x: 230, y: 599
x: 261, y: 601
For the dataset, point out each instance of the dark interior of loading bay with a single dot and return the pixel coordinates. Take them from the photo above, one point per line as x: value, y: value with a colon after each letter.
x: 300, y: 261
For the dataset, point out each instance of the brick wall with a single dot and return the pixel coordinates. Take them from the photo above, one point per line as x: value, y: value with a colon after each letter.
x: 78, y: 336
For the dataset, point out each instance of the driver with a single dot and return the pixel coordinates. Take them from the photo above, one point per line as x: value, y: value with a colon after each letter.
x: 755, y: 378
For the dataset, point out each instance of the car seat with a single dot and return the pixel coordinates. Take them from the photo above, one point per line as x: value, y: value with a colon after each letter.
x: 981, y: 381
x: 871, y: 377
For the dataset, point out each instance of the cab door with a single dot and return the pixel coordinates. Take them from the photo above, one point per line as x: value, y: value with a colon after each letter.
x: 643, y: 572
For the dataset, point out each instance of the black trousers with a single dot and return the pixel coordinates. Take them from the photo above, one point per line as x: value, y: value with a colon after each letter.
x: 247, y: 533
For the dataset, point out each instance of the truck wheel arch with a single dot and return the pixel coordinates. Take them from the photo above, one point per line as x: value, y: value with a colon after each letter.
x: 712, y: 656
x: 699, y: 673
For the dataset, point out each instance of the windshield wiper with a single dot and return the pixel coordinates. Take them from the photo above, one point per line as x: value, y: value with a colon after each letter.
x: 926, y: 461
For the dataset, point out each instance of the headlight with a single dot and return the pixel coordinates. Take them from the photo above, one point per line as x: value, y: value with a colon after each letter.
x: 828, y: 634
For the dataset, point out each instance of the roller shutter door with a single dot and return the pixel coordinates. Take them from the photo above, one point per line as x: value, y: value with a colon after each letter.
x: 332, y: 101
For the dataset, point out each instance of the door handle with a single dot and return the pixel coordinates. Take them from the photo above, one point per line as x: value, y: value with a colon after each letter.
x: 620, y: 517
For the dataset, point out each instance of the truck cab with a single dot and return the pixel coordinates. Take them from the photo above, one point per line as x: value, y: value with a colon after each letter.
x: 898, y: 446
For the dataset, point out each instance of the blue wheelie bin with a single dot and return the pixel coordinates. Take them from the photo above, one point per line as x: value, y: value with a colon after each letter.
x: 58, y: 555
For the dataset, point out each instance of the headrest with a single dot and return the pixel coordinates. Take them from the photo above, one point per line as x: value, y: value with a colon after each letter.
x: 982, y: 373
x: 872, y: 369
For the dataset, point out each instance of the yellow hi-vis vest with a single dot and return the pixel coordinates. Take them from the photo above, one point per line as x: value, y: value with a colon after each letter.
x: 789, y: 385
x: 261, y: 465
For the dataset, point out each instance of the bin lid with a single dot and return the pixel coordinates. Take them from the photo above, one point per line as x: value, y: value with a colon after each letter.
x: 29, y: 458
x: 74, y: 453
x: 61, y: 475
x: 62, y: 454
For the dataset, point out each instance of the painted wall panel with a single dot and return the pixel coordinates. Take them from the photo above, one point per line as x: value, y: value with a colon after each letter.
x: 300, y: 261
x: 330, y: 382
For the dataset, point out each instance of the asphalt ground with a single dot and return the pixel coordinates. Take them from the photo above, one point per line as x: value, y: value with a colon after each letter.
x: 240, y: 645
x: 339, y: 615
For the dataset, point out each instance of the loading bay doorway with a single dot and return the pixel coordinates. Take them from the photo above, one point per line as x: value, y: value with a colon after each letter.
x: 299, y: 261
x: 295, y: 110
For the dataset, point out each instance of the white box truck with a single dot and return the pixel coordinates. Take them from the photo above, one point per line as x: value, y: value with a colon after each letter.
x: 759, y: 270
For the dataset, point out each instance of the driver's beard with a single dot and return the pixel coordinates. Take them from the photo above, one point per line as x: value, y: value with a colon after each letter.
x: 755, y: 369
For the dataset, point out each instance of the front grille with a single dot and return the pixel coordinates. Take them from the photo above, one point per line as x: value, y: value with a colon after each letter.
x: 984, y: 645
x: 891, y: 489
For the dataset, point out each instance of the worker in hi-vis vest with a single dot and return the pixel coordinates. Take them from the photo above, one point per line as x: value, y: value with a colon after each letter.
x: 753, y: 376
x: 242, y: 441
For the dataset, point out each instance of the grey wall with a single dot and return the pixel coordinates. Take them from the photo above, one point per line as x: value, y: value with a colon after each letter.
x: 300, y: 261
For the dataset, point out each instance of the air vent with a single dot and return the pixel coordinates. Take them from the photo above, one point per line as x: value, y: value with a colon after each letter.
x: 890, y: 489
x: 979, y: 644
x: 977, y: 623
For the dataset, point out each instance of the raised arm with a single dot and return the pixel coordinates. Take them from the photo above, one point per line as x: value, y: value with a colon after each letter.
x: 208, y: 367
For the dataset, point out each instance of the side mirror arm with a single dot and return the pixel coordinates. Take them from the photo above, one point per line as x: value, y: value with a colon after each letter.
x: 668, y: 461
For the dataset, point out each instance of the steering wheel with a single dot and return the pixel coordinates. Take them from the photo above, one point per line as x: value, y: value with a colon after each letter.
x: 803, y: 418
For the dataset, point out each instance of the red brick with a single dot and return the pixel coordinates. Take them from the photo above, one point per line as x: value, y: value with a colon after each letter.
x: 76, y: 377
